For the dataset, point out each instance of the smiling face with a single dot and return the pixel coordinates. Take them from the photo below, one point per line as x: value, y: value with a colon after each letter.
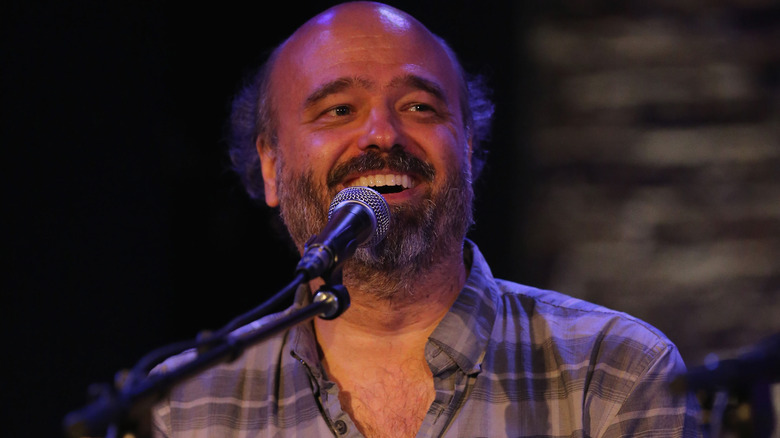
x: 364, y: 95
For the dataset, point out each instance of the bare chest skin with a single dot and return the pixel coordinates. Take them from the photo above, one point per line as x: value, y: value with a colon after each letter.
x: 375, y: 353
x: 387, y: 399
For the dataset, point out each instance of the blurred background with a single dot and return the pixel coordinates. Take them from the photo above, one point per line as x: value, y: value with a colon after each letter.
x: 635, y: 163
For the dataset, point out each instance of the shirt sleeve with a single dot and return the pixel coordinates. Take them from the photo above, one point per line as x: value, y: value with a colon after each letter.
x: 651, y: 408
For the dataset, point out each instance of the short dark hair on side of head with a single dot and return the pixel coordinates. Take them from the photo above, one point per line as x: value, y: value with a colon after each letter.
x: 252, y: 117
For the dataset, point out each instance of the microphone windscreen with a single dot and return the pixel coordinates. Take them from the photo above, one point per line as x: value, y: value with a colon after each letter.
x: 371, y: 199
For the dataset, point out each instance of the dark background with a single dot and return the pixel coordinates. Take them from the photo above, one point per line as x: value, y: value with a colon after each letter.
x: 125, y: 227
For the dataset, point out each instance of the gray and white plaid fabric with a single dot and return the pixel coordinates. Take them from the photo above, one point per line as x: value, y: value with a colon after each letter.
x: 508, y: 361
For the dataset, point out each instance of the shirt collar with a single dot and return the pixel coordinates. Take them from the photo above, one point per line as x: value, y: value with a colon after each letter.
x: 303, y: 342
x: 463, y: 333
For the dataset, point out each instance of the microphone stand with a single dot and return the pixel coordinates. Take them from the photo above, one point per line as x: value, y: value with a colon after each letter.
x: 126, y: 409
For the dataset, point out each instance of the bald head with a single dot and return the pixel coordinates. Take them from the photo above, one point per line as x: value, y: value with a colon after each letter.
x: 349, y: 21
x: 376, y: 17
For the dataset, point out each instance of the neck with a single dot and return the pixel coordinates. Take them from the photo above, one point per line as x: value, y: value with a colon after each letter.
x: 401, y: 322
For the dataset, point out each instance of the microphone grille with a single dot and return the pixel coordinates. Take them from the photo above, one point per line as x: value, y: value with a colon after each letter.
x: 371, y: 199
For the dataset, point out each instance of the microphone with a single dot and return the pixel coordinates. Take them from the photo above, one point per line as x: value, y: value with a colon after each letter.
x: 358, y: 216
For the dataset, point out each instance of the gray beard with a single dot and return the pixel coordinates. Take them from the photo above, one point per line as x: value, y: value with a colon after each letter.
x: 420, y: 235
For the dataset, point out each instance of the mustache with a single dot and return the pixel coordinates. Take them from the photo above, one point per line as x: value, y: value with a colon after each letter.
x: 396, y: 160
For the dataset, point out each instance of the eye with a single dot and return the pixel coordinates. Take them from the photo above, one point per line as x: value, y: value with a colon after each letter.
x: 339, y: 111
x: 420, y: 107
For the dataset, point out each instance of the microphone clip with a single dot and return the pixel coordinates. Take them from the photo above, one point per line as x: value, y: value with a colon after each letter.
x: 335, y: 297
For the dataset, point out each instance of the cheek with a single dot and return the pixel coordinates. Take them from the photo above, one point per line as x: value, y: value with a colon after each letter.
x: 320, y: 154
x: 450, y: 146
x: 315, y: 152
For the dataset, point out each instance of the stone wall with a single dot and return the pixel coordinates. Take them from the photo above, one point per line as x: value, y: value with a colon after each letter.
x: 656, y: 163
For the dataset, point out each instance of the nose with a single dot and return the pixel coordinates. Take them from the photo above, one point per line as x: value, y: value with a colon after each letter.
x: 382, y: 130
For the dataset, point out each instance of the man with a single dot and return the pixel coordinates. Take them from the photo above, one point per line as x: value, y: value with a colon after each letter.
x: 432, y: 345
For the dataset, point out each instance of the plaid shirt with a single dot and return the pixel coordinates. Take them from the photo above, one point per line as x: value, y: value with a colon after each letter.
x: 507, y: 361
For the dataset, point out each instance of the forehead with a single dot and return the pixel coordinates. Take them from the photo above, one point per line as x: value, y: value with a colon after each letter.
x: 376, y: 43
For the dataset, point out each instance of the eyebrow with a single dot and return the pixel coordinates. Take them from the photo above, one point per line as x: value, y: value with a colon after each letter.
x: 420, y: 83
x: 343, y: 83
x: 336, y: 86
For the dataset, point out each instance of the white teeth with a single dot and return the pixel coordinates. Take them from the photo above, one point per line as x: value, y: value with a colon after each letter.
x: 383, y: 180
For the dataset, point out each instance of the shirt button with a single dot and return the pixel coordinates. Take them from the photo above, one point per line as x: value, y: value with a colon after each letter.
x: 341, y: 427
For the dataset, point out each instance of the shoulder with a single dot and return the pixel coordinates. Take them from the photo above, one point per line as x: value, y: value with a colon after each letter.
x: 253, y: 368
x: 237, y: 386
x: 525, y: 319
x: 558, y: 314
x: 567, y: 331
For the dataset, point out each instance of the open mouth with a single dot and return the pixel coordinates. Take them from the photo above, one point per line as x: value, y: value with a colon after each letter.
x: 384, y: 183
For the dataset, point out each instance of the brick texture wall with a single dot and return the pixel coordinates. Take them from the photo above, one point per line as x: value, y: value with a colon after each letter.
x: 656, y: 163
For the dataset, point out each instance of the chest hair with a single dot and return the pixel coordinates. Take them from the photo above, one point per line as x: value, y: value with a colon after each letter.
x: 387, y: 401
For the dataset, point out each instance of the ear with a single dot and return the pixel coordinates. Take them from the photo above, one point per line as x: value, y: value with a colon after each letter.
x: 268, y: 167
